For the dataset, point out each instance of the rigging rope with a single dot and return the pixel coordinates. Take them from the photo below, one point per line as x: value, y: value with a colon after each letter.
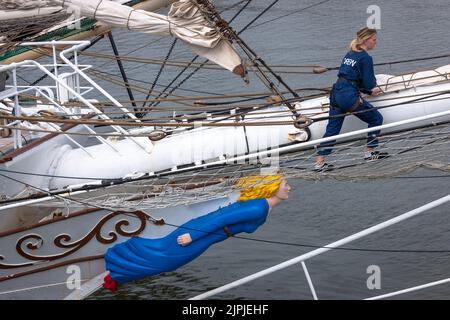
x: 278, y: 68
x: 193, y: 60
x: 212, y: 15
x: 141, y: 115
x: 402, y: 61
x: 304, y: 245
x: 214, y: 123
x: 291, y: 13
x: 159, y: 73
x: 34, y: 174
x: 163, y: 222
x: 426, y: 146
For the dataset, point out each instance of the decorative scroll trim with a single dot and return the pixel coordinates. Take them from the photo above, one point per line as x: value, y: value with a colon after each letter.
x: 31, y: 242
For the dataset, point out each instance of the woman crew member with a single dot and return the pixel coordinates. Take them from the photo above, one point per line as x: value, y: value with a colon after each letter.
x: 355, y: 75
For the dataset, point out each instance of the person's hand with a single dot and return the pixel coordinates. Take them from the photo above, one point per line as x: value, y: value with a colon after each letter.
x: 184, y: 239
x: 376, y: 91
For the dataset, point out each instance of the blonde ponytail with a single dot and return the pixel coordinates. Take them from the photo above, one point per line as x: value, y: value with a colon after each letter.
x: 355, y: 45
x: 361, y: 36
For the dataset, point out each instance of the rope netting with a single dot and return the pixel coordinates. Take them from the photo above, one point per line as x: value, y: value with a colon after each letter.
x: 425, y: 147
x: 27, y: 4
x: 408, y: 150
x: 16, y: 30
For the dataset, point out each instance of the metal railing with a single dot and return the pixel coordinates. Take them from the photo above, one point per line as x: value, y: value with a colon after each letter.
x: 75, y: 91
x: 301, y: 259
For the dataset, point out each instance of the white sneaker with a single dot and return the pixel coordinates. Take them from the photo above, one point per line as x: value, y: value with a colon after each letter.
x: 375, y: 155
x: 323, y: 166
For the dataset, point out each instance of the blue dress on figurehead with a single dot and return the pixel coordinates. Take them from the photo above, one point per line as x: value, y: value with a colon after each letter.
x: 355, y: 75
x: 139, y: 257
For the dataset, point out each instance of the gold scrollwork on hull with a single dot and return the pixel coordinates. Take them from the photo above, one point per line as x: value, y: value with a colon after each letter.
x: 33, y: 242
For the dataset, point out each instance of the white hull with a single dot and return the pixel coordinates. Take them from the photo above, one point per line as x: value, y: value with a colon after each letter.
x: 37, y: 266
x: 406, y: 108
x: 172, y: 151
x: 204, y: 144
x: 90, y: 234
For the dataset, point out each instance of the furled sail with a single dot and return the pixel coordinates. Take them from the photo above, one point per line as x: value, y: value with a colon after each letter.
x: 183, y: 21
x: 25, y: 20
x: 20, y: 19
x: 26, y: 4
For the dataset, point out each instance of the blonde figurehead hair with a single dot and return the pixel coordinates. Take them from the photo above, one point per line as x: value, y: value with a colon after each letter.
x: 258, y: 186
x: 361, y: 36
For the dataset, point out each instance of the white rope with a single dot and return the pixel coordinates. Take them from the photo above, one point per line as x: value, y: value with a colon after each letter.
x: 40, y: 287
x: 416, y: 288
x: 328, y: 247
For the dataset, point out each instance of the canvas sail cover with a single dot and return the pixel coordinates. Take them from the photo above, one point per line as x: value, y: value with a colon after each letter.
x: 18, y: 9
x: 22, y: 18
x: 183, y: 21
x: 27, y: 4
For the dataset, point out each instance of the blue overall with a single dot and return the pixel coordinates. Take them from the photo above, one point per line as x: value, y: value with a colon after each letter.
x: 355, y: 75
x: 139, y: 257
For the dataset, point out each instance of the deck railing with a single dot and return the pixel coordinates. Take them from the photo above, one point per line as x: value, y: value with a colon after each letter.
x: 76, y: 91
